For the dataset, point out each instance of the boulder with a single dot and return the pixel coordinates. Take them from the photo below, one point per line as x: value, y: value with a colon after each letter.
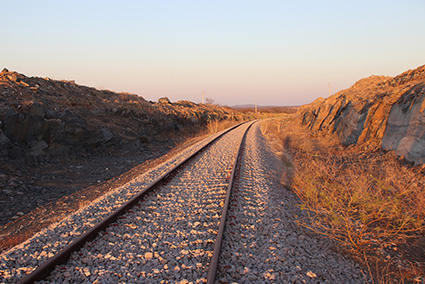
x: 107, y: 134
x: 37, y: 148
x: 164, y: 100
x: 95, y: 138
x: 13, y: 77
x: 10, y: 120
x: 30, y: 124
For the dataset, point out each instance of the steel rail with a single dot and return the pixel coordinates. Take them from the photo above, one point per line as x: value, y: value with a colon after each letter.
x: 212, y: 270
x: 62, y: 256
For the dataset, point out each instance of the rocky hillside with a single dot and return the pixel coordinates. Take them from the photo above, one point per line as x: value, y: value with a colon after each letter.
x: 57, y: 137
x: 387, y: 110
x: 40, y: 117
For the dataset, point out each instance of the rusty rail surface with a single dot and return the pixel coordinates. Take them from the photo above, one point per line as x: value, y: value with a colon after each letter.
x: 212, y: 270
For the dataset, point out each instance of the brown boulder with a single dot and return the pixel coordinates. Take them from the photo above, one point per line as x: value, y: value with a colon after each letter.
x: 164, y: 100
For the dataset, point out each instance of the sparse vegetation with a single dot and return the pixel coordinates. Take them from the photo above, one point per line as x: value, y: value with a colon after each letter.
x: 214, y: 125
x: 263, y: 126
x: 368, y: 201
x: 209, y: 101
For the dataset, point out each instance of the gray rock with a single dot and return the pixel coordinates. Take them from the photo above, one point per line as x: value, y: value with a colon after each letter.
x: 350, y: 124
x: 25, y: 126
x: 107, y: 134
x: 93, y: 138
x: 36, y: 110
x: 38, y: 148
x: 51, y: 114
x: 405, y: 132
x: 10, y: 119
x: 5, y: 143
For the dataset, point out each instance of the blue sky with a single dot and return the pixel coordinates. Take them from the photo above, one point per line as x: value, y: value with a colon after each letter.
x: 239, y: 52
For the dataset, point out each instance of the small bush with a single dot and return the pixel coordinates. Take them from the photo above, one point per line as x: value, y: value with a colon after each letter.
x: 214, y: 125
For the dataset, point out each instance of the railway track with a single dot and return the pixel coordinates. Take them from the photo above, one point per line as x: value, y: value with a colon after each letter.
x: 169, y: 231
x: 172, y: 234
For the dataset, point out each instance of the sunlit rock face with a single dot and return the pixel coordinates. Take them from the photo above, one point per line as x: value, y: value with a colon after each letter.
x: 387, y: 109
x: 405, y: 131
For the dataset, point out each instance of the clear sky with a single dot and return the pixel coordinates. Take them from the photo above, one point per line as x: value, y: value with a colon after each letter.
x: 239, y: 51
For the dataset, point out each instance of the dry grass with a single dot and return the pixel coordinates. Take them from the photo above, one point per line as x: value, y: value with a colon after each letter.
x: 366, y: 200
x: 214, y: 125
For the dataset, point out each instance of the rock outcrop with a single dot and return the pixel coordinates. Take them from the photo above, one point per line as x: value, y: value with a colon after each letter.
x: 388, y: 110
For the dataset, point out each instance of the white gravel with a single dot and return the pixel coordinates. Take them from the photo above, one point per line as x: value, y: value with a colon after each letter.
x: 262, y: 242
x: 171, y: 237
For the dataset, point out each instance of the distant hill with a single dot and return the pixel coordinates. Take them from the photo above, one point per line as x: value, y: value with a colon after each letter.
x: 268, y: 109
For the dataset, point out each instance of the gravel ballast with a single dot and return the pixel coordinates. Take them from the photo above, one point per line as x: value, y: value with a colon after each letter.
x: 177, y: 221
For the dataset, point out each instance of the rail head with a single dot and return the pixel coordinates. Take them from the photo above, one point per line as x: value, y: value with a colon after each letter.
x: 212, y: 270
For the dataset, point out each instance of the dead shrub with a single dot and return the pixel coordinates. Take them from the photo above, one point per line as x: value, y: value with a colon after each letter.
x: 214, y: 125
